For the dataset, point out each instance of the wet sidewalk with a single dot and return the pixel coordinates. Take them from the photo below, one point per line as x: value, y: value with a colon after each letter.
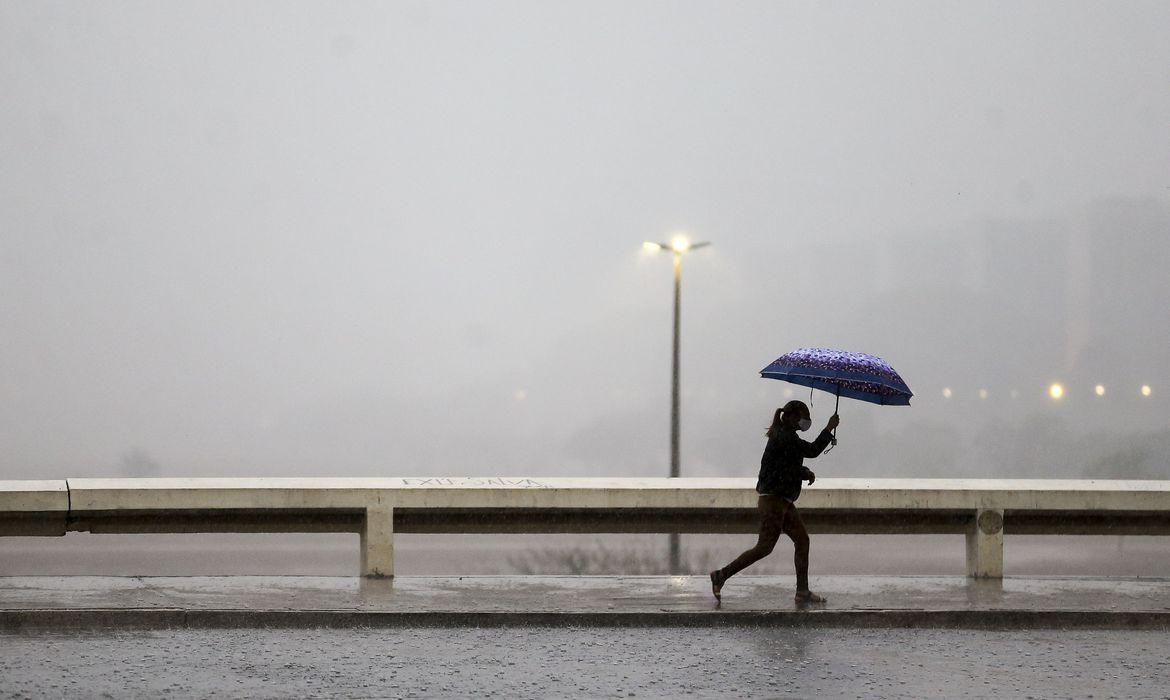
x: 73, y: 602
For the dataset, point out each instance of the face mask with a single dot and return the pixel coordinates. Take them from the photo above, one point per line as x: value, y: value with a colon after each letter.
x: 804, y: 424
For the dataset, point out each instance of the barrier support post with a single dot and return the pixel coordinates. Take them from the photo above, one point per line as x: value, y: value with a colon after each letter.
x: 985, y: 544
x: 377, y: 542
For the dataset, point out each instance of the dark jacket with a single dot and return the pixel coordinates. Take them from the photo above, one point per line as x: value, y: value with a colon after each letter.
x: 782, y: 466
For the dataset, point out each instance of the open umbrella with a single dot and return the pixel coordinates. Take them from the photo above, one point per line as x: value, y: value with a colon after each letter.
x: 854, y: 375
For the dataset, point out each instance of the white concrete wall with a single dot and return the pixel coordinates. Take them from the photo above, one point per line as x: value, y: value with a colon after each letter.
x: 34, y: 496
x: 522, y: 492
x: 374, y: 500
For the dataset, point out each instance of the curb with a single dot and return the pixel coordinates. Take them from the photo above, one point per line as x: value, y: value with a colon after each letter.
x: 104, y: 619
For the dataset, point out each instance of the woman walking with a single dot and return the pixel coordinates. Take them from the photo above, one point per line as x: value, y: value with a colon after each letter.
x: 781, y: 472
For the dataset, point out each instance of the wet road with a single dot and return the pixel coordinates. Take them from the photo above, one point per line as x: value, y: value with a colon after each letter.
x: 223, y: 554
x: 594, y: 662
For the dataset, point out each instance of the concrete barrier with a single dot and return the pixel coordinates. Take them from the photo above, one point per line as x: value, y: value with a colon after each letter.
x: 981, y: 509
x: 33, y: 507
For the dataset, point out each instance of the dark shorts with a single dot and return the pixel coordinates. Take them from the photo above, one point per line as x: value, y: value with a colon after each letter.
x: 774, y: 511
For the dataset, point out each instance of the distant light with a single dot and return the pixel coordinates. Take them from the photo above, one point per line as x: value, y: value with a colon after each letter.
x: 520, y: 395
x: 1015, y: 393
x: 1146, y: 390
x: 983, y: 393
x: 652, y: 247
x: 680, y: 244
x: 946, y: 392
x: 1056, y: 391
x: 1099, y: 389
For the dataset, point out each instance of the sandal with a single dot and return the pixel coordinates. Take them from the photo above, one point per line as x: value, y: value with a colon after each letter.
x: 717, y: 582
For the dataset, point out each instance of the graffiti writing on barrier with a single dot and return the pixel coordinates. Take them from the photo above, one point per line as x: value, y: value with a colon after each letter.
x: 472, y: 482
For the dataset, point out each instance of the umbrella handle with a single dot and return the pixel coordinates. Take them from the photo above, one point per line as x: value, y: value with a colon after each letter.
x: 835, y: 407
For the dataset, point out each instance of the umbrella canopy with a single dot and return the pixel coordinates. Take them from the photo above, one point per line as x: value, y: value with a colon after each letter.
x: 854, y: 375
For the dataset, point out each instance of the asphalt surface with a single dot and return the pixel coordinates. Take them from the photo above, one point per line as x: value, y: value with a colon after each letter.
x: 586, y: 662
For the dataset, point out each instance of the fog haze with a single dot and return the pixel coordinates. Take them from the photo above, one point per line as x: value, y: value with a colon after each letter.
x: 405, y: 238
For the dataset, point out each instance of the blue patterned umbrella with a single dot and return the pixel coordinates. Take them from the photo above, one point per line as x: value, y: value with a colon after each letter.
x: 854, y: 375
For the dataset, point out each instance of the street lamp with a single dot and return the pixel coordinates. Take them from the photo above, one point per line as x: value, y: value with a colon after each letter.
x: 679, y: 246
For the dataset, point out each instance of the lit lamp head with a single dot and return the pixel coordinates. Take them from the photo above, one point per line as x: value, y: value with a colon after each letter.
x: 678, y: 245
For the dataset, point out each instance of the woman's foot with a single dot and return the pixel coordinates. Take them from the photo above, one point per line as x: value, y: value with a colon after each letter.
x: 717, y: 582
x: 806, y: 597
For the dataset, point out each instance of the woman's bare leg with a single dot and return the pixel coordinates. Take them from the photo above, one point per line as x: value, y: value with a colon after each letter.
x: 794, y: 526
x: 771, y: 509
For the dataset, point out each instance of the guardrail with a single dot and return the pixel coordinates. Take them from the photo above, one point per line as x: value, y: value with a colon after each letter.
x: 982, y: 509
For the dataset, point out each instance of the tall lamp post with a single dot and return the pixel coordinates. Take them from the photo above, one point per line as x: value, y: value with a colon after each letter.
x: 679, y: 246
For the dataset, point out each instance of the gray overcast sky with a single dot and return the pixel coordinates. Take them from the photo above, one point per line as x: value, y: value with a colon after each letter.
x: 400, y: 237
